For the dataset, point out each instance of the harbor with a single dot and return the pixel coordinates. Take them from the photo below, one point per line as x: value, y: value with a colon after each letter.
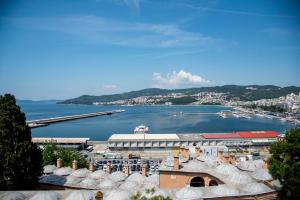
x: 45, y: 122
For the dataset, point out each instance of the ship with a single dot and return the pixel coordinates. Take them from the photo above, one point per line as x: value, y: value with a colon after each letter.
x: 141, y: 129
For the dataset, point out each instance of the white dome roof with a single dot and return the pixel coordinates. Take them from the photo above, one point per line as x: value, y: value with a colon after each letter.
x: 64, y: 171
x: 45, y: 195
x: 107, y: 184
x: 212, y: 163
x: 239, y: 178
x: 137, y: 177
x: 153, y: 179
x: 81, y: 195
x: 48, y: 169
x: 250, y: 165
x: 188, y: 193
x: 169, y: 161
x: 256, y: 188
x: 223, y: 190
x: 53, y: 179
x: 195, y: 166
x: 81, y: 173
x: 88, y: 182
x: 261, y: 174
x: 71, y: 180
x: 129, y: 185
x: 118, y: 195
x: 11, y: 195
x: 207, y: 157
x: 226, y: 169
x: 117, y: 176
x: 97, y: 174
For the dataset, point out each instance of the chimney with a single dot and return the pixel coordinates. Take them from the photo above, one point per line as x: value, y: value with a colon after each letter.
x: 266, y: 164
x: 144, y: 170
x: 232, y: 159
x: 108, y: 168
x: 58, y: 163
x: 74, y: 164
x: 186, y: 153
x: 126, y: 169
x: 176, y: 162
x: 182, y: 151
x: 99, y: 195
x: 198, y: 151
x: 221, y: 154
x: 91, y: 167
x: 226, y: 159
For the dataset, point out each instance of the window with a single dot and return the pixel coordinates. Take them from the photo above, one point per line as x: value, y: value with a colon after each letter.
x: 197, y: 182
x: 213, y: 183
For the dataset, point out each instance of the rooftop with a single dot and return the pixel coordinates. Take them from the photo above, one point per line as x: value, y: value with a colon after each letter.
x: 131, y: 137
x: 59, y: 140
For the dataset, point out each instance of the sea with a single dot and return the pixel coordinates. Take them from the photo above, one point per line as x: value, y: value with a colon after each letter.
x: 159, y: 119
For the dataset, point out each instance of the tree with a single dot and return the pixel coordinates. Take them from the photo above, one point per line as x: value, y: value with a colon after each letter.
x: 51, y: 153
x: 149, y: 195
x: 20, y: 159
x: 284, y: 164
x: 67, y: 156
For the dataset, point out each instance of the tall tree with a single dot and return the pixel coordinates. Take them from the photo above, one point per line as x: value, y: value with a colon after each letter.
x: 285, y: 164
x: 20, y: 159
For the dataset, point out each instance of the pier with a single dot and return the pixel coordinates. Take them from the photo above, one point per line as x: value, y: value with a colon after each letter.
x: 45, y: 122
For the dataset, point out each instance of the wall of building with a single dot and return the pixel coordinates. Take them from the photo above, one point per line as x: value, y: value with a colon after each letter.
x: 178, y: 179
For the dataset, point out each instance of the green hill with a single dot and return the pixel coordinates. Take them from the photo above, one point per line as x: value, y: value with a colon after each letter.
x: 244, y: 93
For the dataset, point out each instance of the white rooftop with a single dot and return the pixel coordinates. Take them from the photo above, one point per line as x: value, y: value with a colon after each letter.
x: 59, y: 140
x: 144, y: 137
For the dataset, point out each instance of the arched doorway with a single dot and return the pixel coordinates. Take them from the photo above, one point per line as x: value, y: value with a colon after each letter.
x: 197, y: 182
x: 213, y: 183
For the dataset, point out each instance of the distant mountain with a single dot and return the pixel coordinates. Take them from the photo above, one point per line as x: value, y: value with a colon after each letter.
x: 244, y: 93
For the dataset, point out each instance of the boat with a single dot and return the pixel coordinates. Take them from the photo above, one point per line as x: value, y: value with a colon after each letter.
x: 141, y: 129
x: 225, y: 113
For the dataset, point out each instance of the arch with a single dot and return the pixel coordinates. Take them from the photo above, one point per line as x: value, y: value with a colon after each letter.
x: 197, y: 182
x: 213, y: 183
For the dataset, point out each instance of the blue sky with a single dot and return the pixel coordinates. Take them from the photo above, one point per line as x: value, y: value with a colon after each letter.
x: 61, y: 49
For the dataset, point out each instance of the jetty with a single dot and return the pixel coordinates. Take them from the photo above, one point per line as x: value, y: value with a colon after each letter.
x: 45, y: 122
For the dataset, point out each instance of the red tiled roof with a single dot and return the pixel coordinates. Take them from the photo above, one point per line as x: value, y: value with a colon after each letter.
x: 221, y: 136
x: 257, y: 134
x: 241, y: 134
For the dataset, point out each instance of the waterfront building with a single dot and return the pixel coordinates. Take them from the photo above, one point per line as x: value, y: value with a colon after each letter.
x: 140, y: 142
x: 73, y: 143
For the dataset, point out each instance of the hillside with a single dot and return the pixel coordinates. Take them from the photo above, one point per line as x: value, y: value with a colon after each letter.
x: 244, y: 93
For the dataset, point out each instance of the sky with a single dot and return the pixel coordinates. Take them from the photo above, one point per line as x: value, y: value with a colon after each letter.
x: 59, y: 49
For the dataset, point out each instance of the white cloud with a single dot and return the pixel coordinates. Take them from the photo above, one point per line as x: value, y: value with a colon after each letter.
x: 110, y: 87
x: 178, y: 79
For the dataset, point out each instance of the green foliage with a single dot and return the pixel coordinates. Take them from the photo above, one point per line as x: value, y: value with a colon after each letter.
x: 51, y: 153
x: 284, y: 164
x: 149, y: 192
x: 273, y: 109
x: 180, y: 101
x: 268, y: 108
x: 20, y: 160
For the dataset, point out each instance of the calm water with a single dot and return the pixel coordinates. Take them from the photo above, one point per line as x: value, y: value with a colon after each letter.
x: 160, y: 119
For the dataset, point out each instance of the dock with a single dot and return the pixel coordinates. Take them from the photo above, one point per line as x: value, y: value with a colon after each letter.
x: 45, y: 122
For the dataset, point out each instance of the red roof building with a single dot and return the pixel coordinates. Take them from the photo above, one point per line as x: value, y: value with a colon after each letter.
x: 221, y: 136
x: 258, y: 134
x: 242, y: 134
